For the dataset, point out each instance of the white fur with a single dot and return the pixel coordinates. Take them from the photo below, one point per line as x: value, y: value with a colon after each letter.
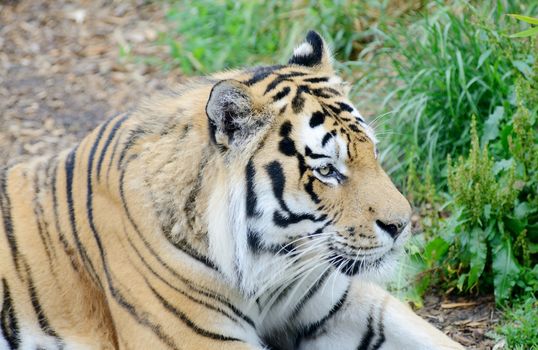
x: 305, y: 49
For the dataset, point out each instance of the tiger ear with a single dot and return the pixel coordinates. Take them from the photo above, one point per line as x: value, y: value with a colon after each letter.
x: 313, y: 52
x: 230, y: 113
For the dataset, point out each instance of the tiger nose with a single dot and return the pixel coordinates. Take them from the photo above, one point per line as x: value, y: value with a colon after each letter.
x: 393, y: 228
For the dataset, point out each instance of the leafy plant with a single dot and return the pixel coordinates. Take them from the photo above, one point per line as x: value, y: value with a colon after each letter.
x: 464, y: 145
x: 525, y: 33
x: 447, y: 66
x: 519, y: 324
x: 492, y: 236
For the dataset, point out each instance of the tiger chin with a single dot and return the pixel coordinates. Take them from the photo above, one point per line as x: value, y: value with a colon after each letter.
x: 243, y: 210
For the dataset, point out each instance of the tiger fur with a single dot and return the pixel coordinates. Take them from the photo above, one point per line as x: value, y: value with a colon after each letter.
x: 245, y: 210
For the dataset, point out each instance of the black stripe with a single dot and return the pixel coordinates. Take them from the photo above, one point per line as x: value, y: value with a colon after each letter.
x: 189, y: 283
x: 317, y: 119
x: 252, y: 200
x: 260, y: 73
x: 287, y: 147
x: 257, y: 246
x: 336, y: 110
x: 134, y: 135
x: 140, y: 318
x: 180, y: 315
x: 297, y: 103
x: 190, y: 203
x: 278, y: 181
x: 108, y: 141
x: 345, y: 107
x: 253, y: 240
x: 291, y: 218
x: 5, y: 204
x: 312, y: 155
x: 317, y: 79
x: 191, y: 214
x: 354, y: 127
x: 323, y: 92
x: 282, y: 93
x: 380, y: 330
x: 369, y: 335
x: 69, y: 172
x: 182, y: 292
x: 286, y: 128
x: 327, y: 137
x: 280, y: 79
x: 66, y: 246
x: 272, y: 85
x: 114, y: 151
x: 310, y: 294
x: 8, y: 319
x: 309, y: 188
x: 186, y: 248
x: 42, y: 319
x: 41, y: 224
x: 310, y: 330
x: 301, y: 164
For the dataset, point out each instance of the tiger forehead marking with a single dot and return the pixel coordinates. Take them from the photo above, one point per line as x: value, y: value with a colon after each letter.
x: 292, y: 88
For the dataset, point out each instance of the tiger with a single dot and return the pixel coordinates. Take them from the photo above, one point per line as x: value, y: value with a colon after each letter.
x: 242, y: 210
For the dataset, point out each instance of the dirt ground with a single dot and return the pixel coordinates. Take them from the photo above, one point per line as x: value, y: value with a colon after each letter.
x: 62, y: 73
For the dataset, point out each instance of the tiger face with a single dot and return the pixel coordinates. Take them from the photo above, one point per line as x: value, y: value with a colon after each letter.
x: 312, y: 189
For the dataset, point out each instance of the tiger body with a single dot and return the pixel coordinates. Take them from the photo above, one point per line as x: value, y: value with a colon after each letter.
x: 245, y: 210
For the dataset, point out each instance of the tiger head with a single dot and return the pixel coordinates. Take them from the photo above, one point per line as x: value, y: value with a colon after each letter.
x: 305, y: 184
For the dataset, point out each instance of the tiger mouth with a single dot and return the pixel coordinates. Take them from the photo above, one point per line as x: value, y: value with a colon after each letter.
x: 352, y: 267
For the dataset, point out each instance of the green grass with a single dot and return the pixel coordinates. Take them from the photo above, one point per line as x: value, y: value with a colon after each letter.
x: 444, y: 68
x: 520, y: 324
x: 209, y: 36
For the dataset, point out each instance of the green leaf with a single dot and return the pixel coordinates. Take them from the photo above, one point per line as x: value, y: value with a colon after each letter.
x: 487, y: 211
x: 526, y: 33
x: 483, y: 57
x: 523, y: 210
x: 505, y: 134
x: 478, y: 250
x: 501, y: 165
x: 505, y: 270
x: 491, y: 126
x: 435, y: 249
x: 527, y: 19
x: 461, y: 281
x: 523, y: 67
x: 514, y: 224
x: 491, y: 231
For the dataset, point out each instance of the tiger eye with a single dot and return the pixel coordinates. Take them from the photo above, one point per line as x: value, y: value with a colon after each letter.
x: 324, y: 170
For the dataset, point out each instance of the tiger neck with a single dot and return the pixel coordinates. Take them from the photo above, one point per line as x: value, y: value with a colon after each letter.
x: 199, y: 201
x: 194, y: 199
x: 176, y: 188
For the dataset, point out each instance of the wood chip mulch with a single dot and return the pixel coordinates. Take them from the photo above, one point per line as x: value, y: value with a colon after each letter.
x: 467, y: 320
x: 61, y: 71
